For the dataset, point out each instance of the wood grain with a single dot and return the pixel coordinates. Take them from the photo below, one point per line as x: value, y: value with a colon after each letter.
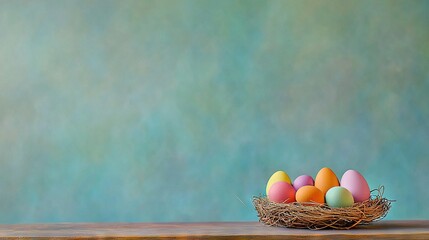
x: 210, y: 230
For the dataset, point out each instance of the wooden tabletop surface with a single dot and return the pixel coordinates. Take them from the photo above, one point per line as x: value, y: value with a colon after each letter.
x: 211, y: 230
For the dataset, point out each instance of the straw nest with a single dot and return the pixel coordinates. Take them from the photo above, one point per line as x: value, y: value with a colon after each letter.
x: 315, y: 216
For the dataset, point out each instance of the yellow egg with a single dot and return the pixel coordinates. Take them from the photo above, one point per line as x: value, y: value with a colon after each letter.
x: 325, y: 180
x: 278, y: 176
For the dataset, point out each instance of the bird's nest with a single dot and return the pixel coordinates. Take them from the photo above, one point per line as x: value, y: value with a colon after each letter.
x: 316, y: 216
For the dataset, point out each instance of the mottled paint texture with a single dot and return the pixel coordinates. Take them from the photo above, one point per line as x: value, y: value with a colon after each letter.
x: 180, y: 110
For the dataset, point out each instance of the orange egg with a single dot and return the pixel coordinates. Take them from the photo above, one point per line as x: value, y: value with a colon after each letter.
x: 325, y: 180
x: 310, y: 194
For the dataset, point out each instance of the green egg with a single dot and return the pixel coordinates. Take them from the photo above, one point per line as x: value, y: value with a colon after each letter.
x: 339, y: 197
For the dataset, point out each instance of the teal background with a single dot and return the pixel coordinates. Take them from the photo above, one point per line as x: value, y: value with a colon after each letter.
x: 180, y: 110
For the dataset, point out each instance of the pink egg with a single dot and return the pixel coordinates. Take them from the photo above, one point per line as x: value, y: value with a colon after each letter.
x: 303, y: 180
x: 281, y: 192
x: 353, y: 181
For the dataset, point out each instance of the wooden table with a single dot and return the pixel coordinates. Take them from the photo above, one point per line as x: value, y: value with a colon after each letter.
x: 216, y: 230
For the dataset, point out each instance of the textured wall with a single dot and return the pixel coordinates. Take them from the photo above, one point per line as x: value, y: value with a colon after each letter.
x: 175, y: 110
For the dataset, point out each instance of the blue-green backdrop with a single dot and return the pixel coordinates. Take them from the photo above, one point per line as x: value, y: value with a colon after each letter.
x: 181, y: 110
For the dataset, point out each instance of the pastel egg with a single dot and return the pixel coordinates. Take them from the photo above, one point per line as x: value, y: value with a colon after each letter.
x: 326, y: 179
x: 339, y: 197
x: 303, y: 180
x: 308, y: 194
x: 281, y: 192
x: 278, y: 176
x: 356, y: 184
